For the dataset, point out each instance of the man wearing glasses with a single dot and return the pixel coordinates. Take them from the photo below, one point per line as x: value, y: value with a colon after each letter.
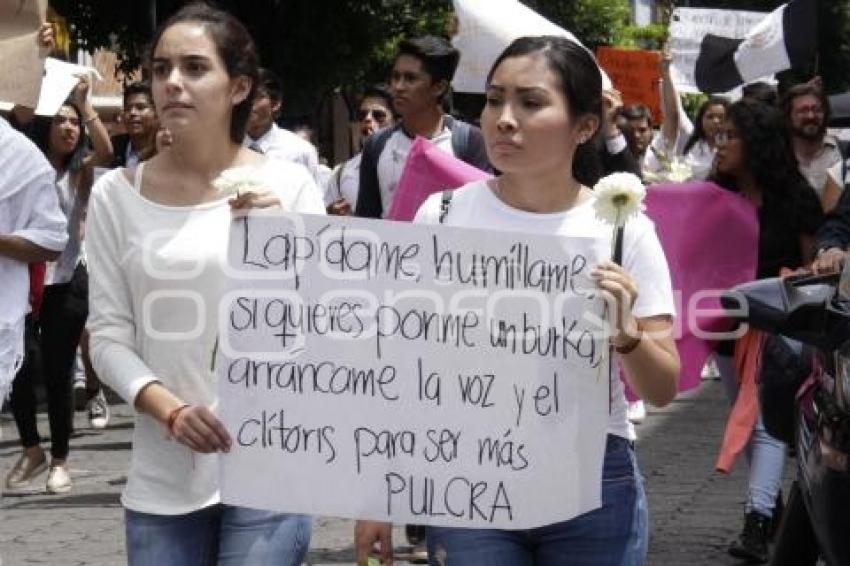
x: 806, y: 110
x: 373, y: 114
x: 419, y: 83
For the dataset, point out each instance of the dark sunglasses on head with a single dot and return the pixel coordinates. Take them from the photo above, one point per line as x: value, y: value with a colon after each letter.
x: 376, y: 113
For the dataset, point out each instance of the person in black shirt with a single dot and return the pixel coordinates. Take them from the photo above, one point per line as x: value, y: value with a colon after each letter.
x: 755, y: 159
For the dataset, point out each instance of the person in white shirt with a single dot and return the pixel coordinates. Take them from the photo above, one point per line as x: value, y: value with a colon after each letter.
x: 691, y: 144
x: 62, y: 138
x: 807, y: 112
x: 262, y: 134
x: 373, y: 113
x: 157, y: 242
x: 32, y: 229
x: 541, y: 120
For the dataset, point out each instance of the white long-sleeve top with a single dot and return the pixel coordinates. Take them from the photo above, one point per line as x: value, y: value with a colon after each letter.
x: 29, y: 209
x: 156, y: 279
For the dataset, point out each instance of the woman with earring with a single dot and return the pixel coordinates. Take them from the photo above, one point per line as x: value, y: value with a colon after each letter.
x: 157, y: 243
x: 542, y: 115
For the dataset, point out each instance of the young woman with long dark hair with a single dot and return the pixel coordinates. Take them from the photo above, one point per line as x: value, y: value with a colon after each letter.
x: 157, y: 244
x: 542, y: 115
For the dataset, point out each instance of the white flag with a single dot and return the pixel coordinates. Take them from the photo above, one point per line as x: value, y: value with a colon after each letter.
x: 486, y: 28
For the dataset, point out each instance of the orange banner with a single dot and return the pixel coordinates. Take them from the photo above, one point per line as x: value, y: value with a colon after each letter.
x: 635, y: 74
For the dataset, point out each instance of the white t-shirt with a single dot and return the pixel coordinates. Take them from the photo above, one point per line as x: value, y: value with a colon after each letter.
x: 475, y: 206
x: 28, y: 209
x: 700, y: 158
x: 392, y: 160
x: 344, y: 182
x: 280, y: 143
x: 74, y: 208
x: 155, y: 286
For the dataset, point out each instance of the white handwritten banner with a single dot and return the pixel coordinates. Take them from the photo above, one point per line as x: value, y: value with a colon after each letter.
x: 21, y: 59
x: 688, y: 26
x: 411, y: 373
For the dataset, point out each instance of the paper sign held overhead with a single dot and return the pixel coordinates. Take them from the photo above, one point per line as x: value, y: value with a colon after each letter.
x: 60, y: 78
x: 635, y: 74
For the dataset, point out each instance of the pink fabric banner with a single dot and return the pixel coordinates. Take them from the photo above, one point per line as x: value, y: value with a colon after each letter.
x: 709, y: 235
x: 427, y: 170
x: 710, y: 238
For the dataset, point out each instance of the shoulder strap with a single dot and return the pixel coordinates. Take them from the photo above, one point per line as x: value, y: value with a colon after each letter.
x: 137, y: 177
x: 445, y: 203
x: 460, y: 137
x: 336, y: 178
x: 378, y: 141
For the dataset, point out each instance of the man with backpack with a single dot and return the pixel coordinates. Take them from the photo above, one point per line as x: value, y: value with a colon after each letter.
x: 419, y: 84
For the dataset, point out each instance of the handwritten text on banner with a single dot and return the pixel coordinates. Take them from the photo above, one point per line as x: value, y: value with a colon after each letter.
x: 411, y: 373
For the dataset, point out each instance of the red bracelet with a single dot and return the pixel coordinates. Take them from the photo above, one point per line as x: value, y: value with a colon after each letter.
x: 630, y: 347
x: 172, y: 418
x: 635, y: 341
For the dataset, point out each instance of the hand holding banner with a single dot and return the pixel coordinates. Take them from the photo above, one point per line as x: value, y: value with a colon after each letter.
x: 411, y: 373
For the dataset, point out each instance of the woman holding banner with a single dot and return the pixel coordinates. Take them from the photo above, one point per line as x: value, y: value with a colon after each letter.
x: 540, y: 122
x: 158, y: 238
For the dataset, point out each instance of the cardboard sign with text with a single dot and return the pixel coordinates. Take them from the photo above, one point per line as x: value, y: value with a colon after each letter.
x: 635, y: 74
x: 411, y: 373
x: 688, y: 27
x: 21, y: 58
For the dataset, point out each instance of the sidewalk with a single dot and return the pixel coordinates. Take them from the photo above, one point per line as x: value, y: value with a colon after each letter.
x: 695, y: 512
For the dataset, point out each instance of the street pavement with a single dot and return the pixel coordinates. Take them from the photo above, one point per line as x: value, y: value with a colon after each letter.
x: 695, y: 512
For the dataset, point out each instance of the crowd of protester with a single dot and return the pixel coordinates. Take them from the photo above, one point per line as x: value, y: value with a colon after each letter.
x: 77, y: 204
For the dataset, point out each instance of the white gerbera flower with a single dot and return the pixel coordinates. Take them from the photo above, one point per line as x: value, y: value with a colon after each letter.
x: 679, y: 171
x: 238, y: 180
x: 618, y: 197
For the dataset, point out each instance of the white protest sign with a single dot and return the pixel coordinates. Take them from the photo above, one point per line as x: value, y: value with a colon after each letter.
x: 21, y: 60
x: 486, y: 28
x: 688, y: 26
x: 365, y: 372
x: 60, y: 78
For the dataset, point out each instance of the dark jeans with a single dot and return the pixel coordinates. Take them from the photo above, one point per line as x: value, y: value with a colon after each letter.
x: 57, y: 334
x: 616, y: 534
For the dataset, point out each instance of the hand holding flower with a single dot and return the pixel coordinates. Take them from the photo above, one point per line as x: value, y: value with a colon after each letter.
x: 251, y: 199
x: 620, y: 292
x: 246, y: 188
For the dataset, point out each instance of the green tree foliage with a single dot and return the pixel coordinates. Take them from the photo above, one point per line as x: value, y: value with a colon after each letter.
x: 319, y: 45
x: 595, y: 22
x: 314, y: 45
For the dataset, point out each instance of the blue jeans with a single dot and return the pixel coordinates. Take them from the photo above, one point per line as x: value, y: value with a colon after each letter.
x: 220, y: 535
x: 616, y: 534
x: 765, y: 453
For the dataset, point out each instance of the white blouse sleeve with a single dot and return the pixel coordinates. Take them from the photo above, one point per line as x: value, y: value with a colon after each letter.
x: 645, y: 260
x: 111, y: 321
